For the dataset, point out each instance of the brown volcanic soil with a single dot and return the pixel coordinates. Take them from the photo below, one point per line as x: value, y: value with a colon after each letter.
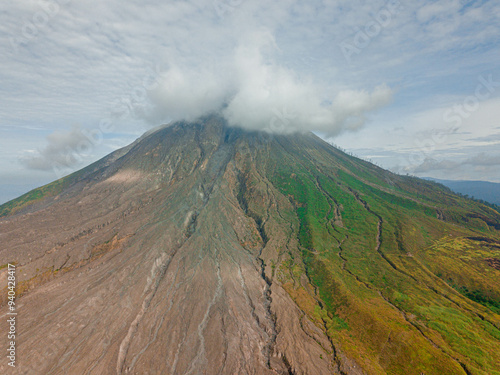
x: 153, y: 265
x: 493, y: 262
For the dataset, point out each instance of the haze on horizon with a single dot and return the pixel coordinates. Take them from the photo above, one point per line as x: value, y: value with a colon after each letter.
x: 413, y: 87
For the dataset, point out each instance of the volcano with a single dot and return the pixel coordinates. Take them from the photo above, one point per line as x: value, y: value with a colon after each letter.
x: 206, y: 249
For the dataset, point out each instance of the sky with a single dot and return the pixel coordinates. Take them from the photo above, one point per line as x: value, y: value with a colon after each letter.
x: 411, y: 86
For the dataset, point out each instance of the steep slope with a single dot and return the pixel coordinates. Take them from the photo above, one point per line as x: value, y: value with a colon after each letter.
x: 203, y: 249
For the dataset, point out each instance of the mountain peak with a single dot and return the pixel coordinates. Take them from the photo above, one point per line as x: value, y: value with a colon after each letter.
x: 203, y: 248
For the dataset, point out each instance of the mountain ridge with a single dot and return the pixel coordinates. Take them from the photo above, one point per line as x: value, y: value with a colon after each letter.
x: 264, y: 253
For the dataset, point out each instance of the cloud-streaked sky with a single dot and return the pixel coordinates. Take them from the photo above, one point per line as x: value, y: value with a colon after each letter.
x: 413, y: 86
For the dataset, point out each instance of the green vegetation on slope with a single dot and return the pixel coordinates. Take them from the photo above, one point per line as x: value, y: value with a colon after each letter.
x: 398, y: 296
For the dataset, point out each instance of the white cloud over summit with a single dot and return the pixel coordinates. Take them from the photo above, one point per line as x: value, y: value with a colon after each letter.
x: 257, y: 93
x: 272, y: 65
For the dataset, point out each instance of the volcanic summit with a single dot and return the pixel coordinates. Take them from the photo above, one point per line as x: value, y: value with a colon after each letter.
x: 206, y: 249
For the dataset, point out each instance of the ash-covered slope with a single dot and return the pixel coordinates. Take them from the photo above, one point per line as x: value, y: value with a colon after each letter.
x: 202, y: 249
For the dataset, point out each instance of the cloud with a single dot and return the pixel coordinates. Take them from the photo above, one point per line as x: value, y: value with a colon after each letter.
x: 483, y: 160
x: 430, y: 164
x: 479, y: 160
x: 488, y: 139
x: 186, y: 94
x: 437, y: 10
x: 64, y: 150
x: 257, y: 93
x: 274, y: 65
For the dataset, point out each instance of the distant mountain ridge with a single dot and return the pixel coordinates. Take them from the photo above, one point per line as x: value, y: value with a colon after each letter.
x: 483, y: 190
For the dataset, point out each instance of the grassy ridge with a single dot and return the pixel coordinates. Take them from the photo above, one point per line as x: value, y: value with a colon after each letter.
x: 51, y: 189
x: 33, y: 196
x: 405, y: 298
